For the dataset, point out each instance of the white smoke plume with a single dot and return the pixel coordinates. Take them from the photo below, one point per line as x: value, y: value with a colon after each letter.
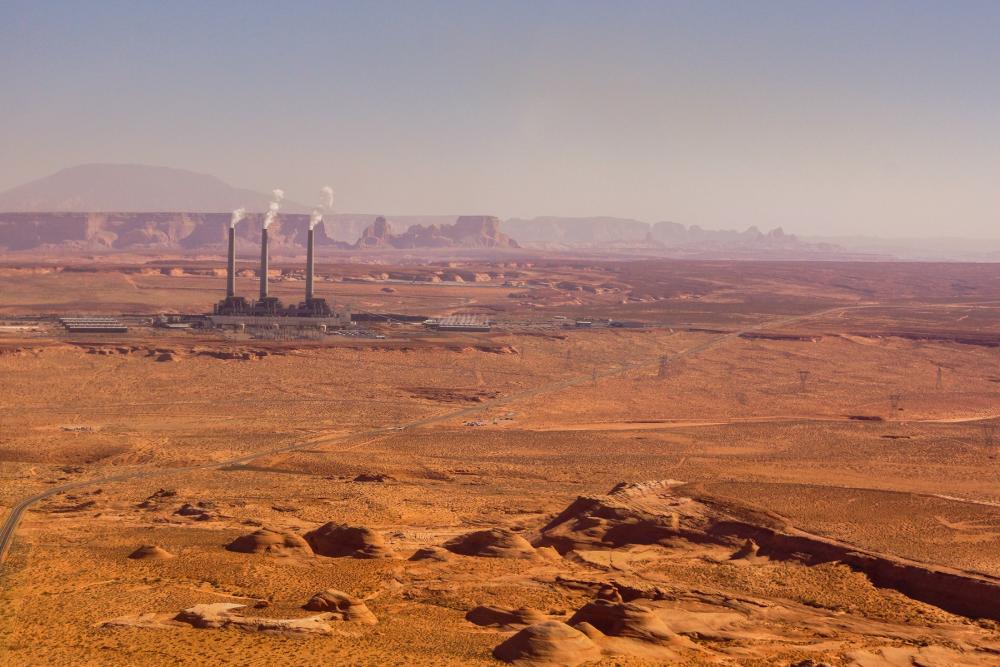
x: 238, y: 215
x: 325, y: 204
x: 273, y: 207
x: 315, y: 218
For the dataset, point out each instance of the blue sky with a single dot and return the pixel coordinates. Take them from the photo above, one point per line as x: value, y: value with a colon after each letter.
x: 826, y: 118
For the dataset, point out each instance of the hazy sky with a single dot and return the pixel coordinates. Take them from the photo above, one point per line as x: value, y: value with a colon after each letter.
x: 834, y: 117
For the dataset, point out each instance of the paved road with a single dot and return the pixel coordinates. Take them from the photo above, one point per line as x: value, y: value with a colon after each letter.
x: 14, y: 516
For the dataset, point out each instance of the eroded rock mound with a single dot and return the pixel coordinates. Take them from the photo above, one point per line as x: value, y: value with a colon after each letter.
x: 337, y: 540
x: 203, y: 510
x: 150, y: 552
x: 431, y: 553
x: 341, y: 606
x: 549, y: 643
x: 271, y: 542
x: 374, y: 477
x: 624, y: 619
x: 492, y: 543
x: 505, y: 619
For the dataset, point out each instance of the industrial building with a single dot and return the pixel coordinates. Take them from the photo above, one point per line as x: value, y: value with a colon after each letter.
x: 93, y: 325
x: 267, y: 312
x: 461, y: 323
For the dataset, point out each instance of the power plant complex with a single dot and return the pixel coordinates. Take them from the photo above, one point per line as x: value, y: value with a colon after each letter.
x: 268, y: 311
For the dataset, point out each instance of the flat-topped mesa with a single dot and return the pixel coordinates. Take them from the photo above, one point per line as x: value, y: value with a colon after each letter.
x: 468, y: 231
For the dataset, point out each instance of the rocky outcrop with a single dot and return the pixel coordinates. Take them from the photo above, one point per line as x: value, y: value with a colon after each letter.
x: 492, y: 543
x: 339, y: 540
x: 670, y: 513
x: 151, y: 552
x: 550, y: 643
x: 624, y: 619
x: 431, y: 553
x: 223, y: 615
x: 503, y: 618
x: 271, y: 542
x: 341, y: 607
x: 376, y: 235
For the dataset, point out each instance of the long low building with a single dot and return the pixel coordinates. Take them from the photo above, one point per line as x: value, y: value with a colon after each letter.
x: 93, y: 325
x: 463, y: 323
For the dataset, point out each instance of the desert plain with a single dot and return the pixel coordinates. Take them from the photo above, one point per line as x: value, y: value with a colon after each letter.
x: 767, y: 463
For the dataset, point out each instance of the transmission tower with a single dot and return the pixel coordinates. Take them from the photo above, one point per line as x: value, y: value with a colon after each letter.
x: 894, y: 400
x: 803, y: 377
x: 664, y: 367
x: 938, y: 384
x: 989, y: 433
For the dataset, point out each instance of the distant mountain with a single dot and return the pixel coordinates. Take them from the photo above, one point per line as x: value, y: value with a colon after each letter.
x: 131, y: 188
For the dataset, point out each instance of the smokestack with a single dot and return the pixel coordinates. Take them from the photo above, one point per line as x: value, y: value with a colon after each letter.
x: 309, y: 264
x: 231, y: 266
x: 263, y: 263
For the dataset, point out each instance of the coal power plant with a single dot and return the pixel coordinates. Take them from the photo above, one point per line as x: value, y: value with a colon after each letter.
x: 268, y: 311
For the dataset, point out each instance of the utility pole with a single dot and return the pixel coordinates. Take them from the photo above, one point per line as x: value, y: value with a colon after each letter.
x: 664, y: 367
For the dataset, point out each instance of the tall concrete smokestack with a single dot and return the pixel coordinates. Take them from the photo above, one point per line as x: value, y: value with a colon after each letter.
x: 231, y: 266
x: 309, y: 264
x: 263, y: 263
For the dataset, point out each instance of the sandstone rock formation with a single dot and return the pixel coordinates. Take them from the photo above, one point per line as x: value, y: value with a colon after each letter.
x: 624, y: 619
x: 505, y: 619
x: 222, y: 615
x: 376, y: 235
x: 469, y: 231
x: 271, y: 542
x: 374, y: 477
x: 199, y: 511
x: 672, y: 514
x: 341, y: 607
x: 336, y: 540
x: 150, y: 552
x: 492, y: 543
x: 549, y: 643
x: 431, y: 553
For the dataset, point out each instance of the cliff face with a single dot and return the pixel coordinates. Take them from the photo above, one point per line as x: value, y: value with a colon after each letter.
x: 375, y: 235
x: 206, y: 232
x: 148, y: 232
x: 604, y: 233
x: 469, y: 231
